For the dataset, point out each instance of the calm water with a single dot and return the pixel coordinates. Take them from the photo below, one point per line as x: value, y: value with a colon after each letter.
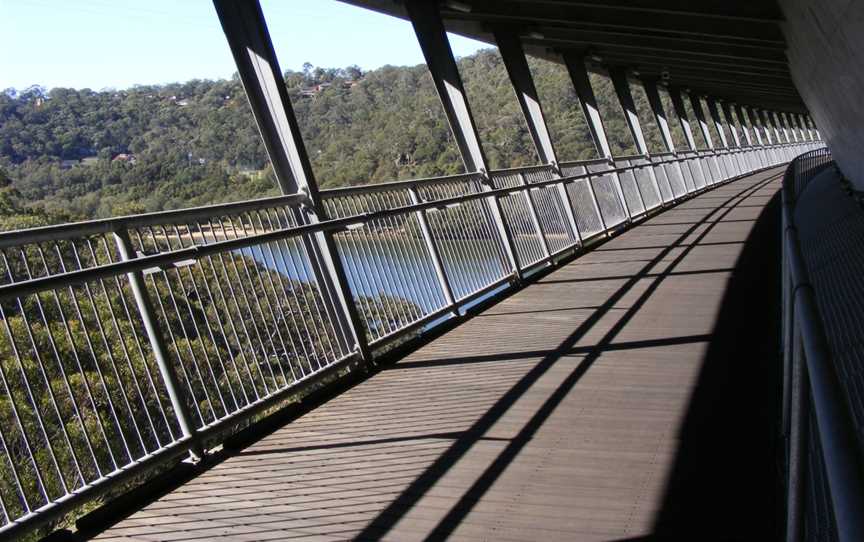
x: 410, y: 274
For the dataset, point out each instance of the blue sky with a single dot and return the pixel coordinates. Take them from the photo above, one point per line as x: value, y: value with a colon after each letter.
x: 120, y: 43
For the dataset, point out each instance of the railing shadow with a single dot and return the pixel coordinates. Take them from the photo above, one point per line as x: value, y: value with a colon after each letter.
x: 725, y: 483
x: 412, y: 494
x: 398, y: 489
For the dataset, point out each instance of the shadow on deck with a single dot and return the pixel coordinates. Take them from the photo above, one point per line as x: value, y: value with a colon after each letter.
x: 630, y: 395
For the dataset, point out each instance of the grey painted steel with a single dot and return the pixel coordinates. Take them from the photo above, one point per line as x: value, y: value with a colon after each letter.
x: 587, y: 100
x: 683, y: 118
x: 730, y: 121
x: 157, y: 343
x: 742, y: 120
x: 698, y: 170
x: 812, y: 363
x: 656, y: 104
x: 753, y: 117
x: 188, y: 259
x: 718, y: 121
x: 696, y: 104
x: 432, y: 248
x: 516, y: 64
x: 625, y: 100
x: 246, y: 31
x: 582, y: 85
x: 429, y: 29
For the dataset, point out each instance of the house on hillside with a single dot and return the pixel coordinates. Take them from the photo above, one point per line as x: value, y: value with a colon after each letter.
x: 124, y: 157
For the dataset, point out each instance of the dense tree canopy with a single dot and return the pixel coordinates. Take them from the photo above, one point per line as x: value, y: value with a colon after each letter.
x: 76, y: 154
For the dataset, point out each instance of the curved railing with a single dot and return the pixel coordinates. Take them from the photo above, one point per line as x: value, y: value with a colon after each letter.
x: 825, y: 485
x: 127, y: 343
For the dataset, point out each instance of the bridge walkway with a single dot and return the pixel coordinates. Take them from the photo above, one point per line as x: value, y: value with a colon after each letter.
x: 629, y: 395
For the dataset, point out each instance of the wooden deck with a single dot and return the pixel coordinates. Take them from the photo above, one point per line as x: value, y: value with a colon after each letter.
x: 629, y: 395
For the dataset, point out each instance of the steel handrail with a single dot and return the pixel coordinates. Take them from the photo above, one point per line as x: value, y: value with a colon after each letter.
x: 835, y: 426
x: 175, y: 259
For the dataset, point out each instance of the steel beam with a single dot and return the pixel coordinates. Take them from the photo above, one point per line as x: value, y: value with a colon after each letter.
x: 246, y: 31
x: 628, y: 106
x: 429, y: 28
x: 656, y: 104
x: 758, y: 127
x: 516, y: 64
x: 582, y: 85
x: 683, y: 117
x: 787, y: 120
x: 588, y: 101
x: 802, y: 119
x: 718, y: 121
x: 742, y: 120
x: 730, y: 121
x: 625, y: 100
x: 696, y: 104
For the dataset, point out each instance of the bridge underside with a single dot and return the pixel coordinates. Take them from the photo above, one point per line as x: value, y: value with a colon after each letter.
x: 628, y: 394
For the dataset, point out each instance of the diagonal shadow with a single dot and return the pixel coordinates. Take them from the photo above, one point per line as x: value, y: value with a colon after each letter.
x: 647, y: 275
x: 730, y: 429
x: 527, y: 354
x: 388, y: 517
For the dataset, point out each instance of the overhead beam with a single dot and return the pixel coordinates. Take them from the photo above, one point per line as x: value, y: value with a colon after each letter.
x: 526, y: 93
x: 250, y: 43
x: 432, y: 37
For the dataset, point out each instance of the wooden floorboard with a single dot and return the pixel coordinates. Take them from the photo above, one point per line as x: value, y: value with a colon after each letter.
x: 564, y: 412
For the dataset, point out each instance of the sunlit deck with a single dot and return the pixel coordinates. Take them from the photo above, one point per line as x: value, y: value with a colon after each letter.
x: 626, y: 395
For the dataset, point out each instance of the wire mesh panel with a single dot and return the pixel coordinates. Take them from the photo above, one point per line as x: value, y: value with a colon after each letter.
x: 389, y: 268
x: 80, y: 393
x: 553, y: 218
x: 551, y: 213
x: 518, y: 215
x: 710, y: 167
x: 608, y: 199
x: 630, y: 189
x: 701, y: 174
x: 471, y: 249
x: 663, y: 181
x: 585, y: 210
x: 240, y: 325
x: 646, y: 183
x: 675, y: 176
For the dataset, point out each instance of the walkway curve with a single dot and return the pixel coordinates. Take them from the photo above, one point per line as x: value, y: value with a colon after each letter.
x: 629, y: 395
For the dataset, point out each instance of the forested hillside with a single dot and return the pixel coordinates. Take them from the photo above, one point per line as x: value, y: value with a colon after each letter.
x: 76, y: 154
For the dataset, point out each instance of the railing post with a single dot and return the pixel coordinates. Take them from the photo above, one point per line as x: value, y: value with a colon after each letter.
x: 582, y: 85
x: 432, y: 248
x: 176, y: 393
x: 516, y: 64
x: 249, y: 40
x: 429, y: 28
x: 699, y: 113
x: 535, y: 220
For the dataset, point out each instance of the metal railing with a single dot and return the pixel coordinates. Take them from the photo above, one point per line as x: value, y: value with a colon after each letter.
x: 825, y: 477
x: 129, y: 342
